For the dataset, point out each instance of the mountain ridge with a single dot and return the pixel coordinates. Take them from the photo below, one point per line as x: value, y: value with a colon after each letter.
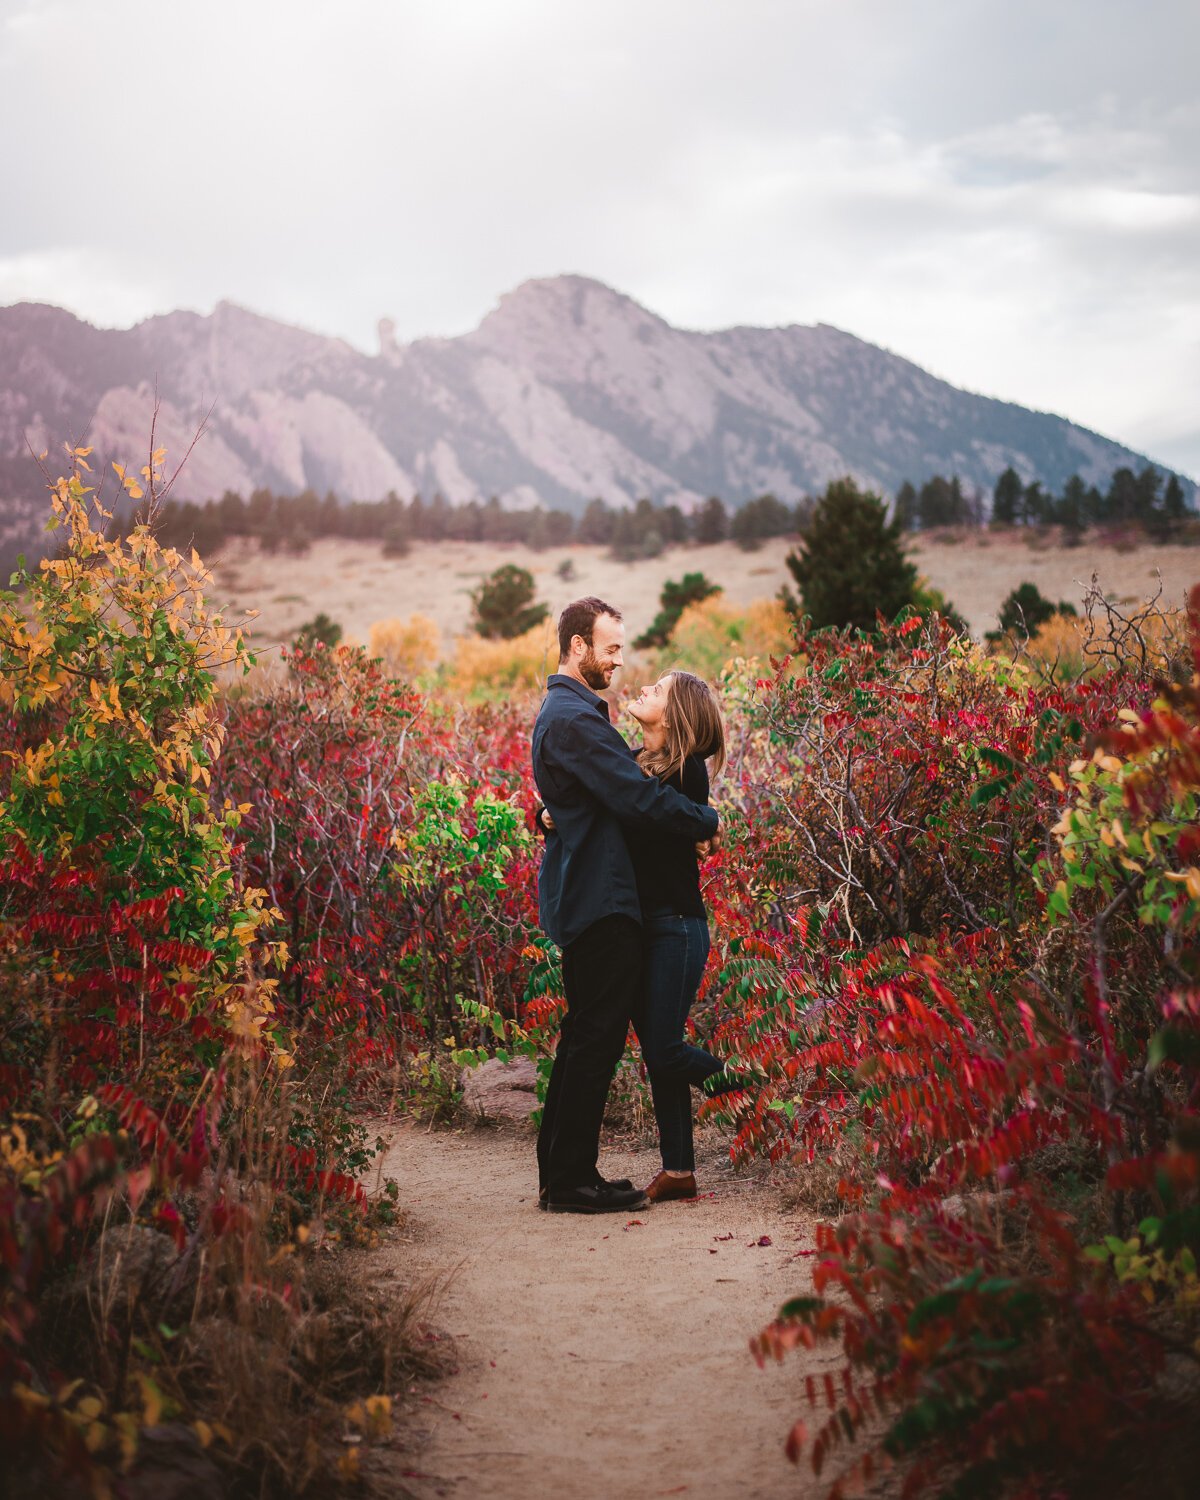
x: 566, y: 390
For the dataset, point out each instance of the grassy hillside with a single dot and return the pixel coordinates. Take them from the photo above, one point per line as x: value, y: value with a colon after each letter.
x: 355, y: 585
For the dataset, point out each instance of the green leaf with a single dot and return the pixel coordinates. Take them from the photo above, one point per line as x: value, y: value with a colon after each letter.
x: 988, y: 791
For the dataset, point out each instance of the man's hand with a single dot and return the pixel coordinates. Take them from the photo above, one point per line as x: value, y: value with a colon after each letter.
x: 547, y: 820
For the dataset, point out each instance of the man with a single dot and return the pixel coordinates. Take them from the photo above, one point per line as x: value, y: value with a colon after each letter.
x: 590, y: 782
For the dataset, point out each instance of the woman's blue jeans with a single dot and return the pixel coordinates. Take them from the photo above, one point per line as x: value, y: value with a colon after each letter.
x: 674, y: 952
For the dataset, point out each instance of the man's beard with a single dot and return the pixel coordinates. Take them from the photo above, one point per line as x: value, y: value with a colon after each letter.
x: 593, y: 672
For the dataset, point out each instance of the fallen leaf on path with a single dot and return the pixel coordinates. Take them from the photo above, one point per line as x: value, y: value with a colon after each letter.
x: 763, y: 1239
x: 728, y: 1236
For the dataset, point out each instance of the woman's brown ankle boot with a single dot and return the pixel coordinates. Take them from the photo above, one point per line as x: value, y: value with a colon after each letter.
x: 665, y: 1187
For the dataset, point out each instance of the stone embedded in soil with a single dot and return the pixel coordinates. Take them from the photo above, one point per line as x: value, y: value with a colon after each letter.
x: 501, y: 1090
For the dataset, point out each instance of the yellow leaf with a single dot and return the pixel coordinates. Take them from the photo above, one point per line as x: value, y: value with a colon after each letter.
x: 152, y: 1401
x: 204, y: 1432
x: 1057, y: 782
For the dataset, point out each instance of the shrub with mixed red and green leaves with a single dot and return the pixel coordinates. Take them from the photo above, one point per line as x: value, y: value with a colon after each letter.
x: 983, y: 1005
x: 393, y: 835
x: 149, y: 1113
x: 955, y: 937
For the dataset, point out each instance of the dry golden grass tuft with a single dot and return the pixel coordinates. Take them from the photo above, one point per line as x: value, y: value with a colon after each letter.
x: 481, y: 668
x: 407, y: 647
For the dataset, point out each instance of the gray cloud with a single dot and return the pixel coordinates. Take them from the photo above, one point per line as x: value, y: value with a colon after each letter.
x: 1005, y: 192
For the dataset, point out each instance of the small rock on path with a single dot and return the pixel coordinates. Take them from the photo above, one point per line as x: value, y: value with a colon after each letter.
x: 598, y: 1358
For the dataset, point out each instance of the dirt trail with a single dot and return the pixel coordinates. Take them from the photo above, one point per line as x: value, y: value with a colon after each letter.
x: 598, y: 1358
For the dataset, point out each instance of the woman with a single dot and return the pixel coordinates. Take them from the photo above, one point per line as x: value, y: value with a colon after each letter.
x: 681, y: 729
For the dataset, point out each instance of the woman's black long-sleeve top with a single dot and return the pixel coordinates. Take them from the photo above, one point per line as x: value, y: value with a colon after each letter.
x: 665, y: 864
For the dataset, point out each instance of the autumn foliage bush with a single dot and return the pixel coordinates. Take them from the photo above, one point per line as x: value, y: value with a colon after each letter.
x: 158, y: 1177
x: 955, y: 936
x: 961, y: 927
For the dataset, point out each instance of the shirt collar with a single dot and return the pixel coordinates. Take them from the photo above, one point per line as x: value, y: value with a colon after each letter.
x: 593, y: 700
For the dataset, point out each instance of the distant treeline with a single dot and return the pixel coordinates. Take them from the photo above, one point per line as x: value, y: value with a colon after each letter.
x: 291, y: 523
x: 1149, y: 499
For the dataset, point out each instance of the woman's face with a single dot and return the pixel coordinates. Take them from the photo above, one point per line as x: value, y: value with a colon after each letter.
x: 649, y: 708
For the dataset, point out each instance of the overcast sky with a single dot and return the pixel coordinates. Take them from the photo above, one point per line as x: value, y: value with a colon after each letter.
x: 1006, y: 191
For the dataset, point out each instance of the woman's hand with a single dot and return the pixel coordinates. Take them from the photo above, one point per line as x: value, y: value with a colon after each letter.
x: 709, y: 846
x: 546, y: 820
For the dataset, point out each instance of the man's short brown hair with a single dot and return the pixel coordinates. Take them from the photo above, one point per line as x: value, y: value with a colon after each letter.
x: 579, y: 618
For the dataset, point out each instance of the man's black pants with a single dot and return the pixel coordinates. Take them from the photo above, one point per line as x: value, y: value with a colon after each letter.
x: 601, y: 972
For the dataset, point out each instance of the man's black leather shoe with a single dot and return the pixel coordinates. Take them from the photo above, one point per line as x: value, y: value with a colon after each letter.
x: 623, y: 1183
x: 593, y: 1199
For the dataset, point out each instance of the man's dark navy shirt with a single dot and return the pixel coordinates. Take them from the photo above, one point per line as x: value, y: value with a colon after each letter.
x: 590, y: 781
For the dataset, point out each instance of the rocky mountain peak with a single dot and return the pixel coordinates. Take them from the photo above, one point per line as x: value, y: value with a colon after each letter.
x: 567, y: 390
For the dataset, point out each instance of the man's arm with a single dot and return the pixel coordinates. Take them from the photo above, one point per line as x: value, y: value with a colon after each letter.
x: 599, y: 759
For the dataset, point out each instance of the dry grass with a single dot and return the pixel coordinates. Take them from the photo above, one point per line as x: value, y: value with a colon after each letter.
x: 248, y: 1357
x: 976, y: 570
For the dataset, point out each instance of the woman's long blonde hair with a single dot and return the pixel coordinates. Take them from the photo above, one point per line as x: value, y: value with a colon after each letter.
x: 693, y: 726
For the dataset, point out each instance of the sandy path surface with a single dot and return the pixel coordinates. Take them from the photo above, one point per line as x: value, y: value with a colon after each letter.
x: 596, y: 1358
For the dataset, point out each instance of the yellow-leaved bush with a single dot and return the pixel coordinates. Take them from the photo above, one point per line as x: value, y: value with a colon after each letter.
x: 407, y: 647
x: 714, y: 632
x: 108, y: 663
x: 482, y: 668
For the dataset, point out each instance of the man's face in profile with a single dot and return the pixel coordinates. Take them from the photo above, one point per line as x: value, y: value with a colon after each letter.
x: 602, y: 658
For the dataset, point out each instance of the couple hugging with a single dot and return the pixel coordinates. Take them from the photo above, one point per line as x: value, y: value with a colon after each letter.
x: 619, y: 892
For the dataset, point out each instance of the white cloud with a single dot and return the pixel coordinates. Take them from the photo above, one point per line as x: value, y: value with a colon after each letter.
x: 1005, y: 192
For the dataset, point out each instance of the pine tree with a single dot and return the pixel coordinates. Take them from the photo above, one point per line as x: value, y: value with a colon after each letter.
x: 674, y: 599
x: 1174, y: 503
x: 1026, y: 609
x: 905, y: 508
x: 1007, y: 498
x: 712, y: 522
x: 503, y: 604
x: 598, y: 524
x: 1071, y: 510
x: 852, y: 565
x: 941, y: 502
